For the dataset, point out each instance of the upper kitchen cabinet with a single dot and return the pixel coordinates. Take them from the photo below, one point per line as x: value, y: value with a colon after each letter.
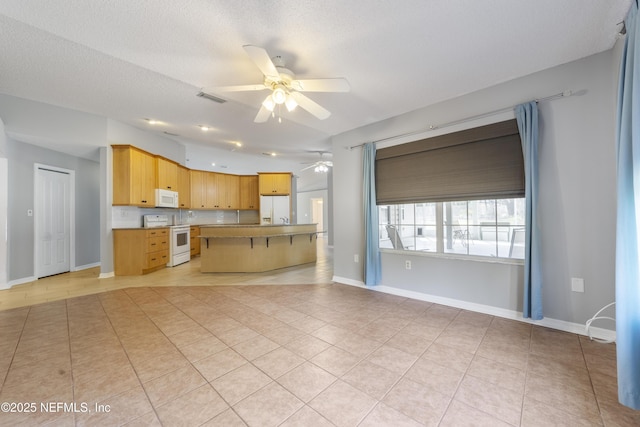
x: 167, y: 174
x: 134, y: 176
x: 249, y: 196
x: 198, y: 189
x: 274, y: 183
x: 184, y: 187
x: 228, y: 191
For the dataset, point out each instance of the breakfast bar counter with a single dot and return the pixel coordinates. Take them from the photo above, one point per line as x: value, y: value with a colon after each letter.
x: 256, y: 248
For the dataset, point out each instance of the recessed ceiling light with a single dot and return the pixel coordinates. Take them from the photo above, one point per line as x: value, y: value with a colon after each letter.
x: 204, y: 128
x: 153, y: 121
x: 213, y: 164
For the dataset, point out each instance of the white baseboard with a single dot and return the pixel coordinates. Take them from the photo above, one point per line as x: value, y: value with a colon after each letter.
x: 106, y: 275
x: 576, y: 328
x: 350, y: 282
x: 21, y: 281
x: 86, y: 266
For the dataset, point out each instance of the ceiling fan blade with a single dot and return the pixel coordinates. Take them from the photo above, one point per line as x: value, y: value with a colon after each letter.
x: 321, y: 85
x: 263, y: 114
x: 308, y: 167
x: 262, y: 60
x: 311, y: 106
x: 239, y: 88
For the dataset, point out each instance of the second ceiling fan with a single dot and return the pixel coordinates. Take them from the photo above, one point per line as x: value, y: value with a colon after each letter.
x: 285, y: 88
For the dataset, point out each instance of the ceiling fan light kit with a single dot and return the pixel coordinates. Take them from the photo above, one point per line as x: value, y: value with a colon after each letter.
x: 285, y: 89
x: 321, y: 169
x: 279, y: 94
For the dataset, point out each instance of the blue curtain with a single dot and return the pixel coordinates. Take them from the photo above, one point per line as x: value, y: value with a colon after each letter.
x: 372, y: 271
x: 628, y: 215
x: 527, y: 117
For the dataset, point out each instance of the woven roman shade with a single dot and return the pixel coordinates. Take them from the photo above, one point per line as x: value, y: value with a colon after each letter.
x: 480, y: 163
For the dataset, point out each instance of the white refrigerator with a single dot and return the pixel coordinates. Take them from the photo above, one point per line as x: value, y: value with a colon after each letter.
x: 275, y: 209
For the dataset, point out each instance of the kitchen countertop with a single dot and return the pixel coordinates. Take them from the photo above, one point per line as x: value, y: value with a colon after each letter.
x: 252, y: 225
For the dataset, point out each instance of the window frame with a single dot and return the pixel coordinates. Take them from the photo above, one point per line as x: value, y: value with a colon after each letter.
x: 440, y: 226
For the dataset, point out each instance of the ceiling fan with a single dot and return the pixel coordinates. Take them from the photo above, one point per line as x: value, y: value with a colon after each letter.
x: 285, y: 88
x: 321, y: 166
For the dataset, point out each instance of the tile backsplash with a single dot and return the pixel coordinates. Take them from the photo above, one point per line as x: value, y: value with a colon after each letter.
x: 131, y: 216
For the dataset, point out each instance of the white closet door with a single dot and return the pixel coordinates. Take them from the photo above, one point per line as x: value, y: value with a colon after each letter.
x: 53, y: 222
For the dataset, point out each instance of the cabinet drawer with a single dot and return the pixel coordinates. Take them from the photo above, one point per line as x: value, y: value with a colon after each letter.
x: 157, y: 243
x: 158, y: 232
x: 155, y: 259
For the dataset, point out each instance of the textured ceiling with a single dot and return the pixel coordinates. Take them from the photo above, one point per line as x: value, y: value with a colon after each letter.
x: 130, y: 60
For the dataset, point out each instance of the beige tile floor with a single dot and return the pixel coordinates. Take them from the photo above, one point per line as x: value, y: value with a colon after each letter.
x: 290, y: 348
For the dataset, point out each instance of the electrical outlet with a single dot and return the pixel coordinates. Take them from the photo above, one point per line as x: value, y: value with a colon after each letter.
x: 407, y: 265
x: 356, y: 258
x: 577, y: 284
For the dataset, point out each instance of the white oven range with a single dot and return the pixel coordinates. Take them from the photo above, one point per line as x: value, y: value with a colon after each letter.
x: 179, y: 238
x: 179, y: 245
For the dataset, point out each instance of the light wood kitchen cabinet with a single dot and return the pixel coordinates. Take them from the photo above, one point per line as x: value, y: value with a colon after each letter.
x: 274, y: 183
x: 228, y: 191
x: 139, y: 251
x: 184, y: 187
x: 134, y: 176
x: 167, y: 176
x: 249, y: 195
x: 204, y: 190
x: 212, y: 198
x: 194, y: 232
x: 198, y: 188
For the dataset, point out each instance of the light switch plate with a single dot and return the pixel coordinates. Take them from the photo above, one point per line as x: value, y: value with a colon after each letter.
x: 577, y: 284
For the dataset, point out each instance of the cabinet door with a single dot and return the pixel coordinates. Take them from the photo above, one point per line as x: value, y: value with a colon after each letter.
x: 197, y: 189
x: 249, y: 196
x: 184, y: 187
x: 149, y: 179
x: 142, y: 178
x: 195, y: 240
x: 275, y: 184
x: 122, y: 176
x: 282, y: 183
x: 212, y: 196
x: 167, y: 174
x: 231, y: 192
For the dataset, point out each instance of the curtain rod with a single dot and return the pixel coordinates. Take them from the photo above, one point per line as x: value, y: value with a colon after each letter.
x: 564, y: 94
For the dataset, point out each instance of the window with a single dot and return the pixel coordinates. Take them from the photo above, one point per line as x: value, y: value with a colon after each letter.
x: 459, y: 193
x: 484, y: 228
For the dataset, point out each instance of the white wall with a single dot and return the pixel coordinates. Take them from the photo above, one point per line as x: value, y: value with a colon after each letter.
x: 54, y: 128
x: 152, y: 141
x: 577, y: 195
x: 4, y: 207
x: 305, y: 215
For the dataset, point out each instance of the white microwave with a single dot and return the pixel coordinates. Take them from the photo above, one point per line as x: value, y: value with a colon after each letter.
x: 166, y: 198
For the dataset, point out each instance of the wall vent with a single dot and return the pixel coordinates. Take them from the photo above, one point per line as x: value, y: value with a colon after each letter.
x: 211, y: 97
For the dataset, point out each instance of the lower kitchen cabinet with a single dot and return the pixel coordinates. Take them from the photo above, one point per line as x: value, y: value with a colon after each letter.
x: 139, y: 251
x: 194, y: 232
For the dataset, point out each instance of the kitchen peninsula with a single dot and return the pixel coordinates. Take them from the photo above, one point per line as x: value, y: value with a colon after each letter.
x: 256, y: 248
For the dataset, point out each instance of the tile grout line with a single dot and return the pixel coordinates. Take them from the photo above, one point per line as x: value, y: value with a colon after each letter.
x: 24, y: 324
x: 591, y: 383
x: 128, y: 359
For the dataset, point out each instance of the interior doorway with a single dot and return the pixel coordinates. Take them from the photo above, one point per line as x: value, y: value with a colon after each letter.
x: 317, y: 213
x: 53, y: 220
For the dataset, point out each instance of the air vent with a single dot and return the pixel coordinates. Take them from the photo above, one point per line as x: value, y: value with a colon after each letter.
x: 211, y: 97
